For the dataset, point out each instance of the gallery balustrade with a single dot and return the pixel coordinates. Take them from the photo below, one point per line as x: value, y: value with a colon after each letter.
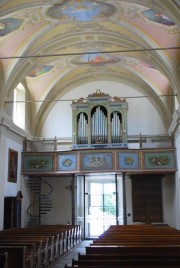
x: 134, y: 142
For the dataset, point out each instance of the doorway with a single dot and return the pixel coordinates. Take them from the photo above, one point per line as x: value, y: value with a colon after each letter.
x: 100, y: 204
x: 147, y: 198
x: 12, y: 212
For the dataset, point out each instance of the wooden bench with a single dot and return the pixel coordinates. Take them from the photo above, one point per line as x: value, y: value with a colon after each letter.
x: 149, y: 250
x: 51, y: 242
x: 133, y: 246
x: 128, y: 262
x: 120, y: 256
x: 41, y: 254
x: 30, y: 251
x: 119, y: 259
x: 116, y: 256
x: 16, y: 256
x: 96, y: 266
x: 4, y: 259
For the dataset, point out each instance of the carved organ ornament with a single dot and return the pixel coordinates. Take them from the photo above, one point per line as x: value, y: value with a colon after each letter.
x: 99, y: 121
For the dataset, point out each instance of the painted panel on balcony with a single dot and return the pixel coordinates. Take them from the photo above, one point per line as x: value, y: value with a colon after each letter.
x: 159, y: 160
x: 97, y: 161
x: 67, y: 162
x: 38, y: 163
x: 128, y: 161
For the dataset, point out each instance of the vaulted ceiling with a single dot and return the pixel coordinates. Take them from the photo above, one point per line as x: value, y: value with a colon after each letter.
x: 52, y: 46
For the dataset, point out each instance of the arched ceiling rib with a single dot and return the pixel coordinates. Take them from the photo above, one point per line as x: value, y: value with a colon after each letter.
x: 80, y: 27
x: 63, y: 89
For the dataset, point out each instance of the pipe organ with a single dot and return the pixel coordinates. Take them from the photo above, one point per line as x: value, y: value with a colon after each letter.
x: 99, y: 121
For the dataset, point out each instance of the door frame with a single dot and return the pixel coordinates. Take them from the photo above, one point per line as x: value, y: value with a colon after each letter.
x: 115, y: 180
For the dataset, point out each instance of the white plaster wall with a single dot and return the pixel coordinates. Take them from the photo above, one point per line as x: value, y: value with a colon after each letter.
x: 61, y: 212
x: 2, y: 178
x: 8, y: 140
x: 177, y: 182
x: 129, y: 200
x: 168, y: 195
x: 142, y: 116
x: 11, y: 188
x: 25, y: 201
x: 61, y: 202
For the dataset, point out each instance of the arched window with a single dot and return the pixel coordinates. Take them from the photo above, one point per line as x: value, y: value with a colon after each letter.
x: 19, y: 106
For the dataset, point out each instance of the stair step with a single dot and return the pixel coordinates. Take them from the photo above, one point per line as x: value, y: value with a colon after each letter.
x: 42, y: 189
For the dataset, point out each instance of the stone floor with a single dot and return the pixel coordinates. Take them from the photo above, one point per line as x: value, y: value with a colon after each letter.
x: 67, y: 259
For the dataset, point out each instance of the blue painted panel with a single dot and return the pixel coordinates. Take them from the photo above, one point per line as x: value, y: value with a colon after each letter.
x: 155, y: 160
x: 97, y: 161
x: 128, y: 161
x: 35, y: 163
x: 67, y: 162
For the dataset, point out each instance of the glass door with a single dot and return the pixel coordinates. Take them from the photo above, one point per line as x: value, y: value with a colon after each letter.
x: 99, y: 203
x: 101, y: 207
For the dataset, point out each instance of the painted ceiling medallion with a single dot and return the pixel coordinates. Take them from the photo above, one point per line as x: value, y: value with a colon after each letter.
x: 41, y: 70
x: 95, y: 59
x: 154, y: 16
x: 83, y: 11
x: 9, y: 25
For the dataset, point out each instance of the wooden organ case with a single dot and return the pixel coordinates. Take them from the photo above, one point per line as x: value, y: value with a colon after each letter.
x: 99, y: 121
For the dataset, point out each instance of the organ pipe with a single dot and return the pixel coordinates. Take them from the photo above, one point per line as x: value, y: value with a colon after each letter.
x: 99, y: 125
x: 115, y: 127
x: 82, y: 129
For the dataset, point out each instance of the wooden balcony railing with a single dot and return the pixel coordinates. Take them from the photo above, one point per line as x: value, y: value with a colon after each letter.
x: 62, y: 144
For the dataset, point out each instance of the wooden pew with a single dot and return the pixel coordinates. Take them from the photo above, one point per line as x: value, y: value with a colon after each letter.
x: 133, y: 246
x: 115, y: 259
x: 111, y: 266
x: 30, y: 252
x: 133, y: 250
x: 41, y: 247
x: 128, y: 262
x: 4, y: 260
x: 51, y: 241
x: 120, y: 256
x: 16, y: 256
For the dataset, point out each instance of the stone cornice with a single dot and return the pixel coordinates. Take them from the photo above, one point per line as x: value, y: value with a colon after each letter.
x: 6, y: 124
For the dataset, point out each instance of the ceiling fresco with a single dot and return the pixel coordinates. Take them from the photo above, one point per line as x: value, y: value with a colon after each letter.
x: 81, y: 11
x: 49, y: 45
